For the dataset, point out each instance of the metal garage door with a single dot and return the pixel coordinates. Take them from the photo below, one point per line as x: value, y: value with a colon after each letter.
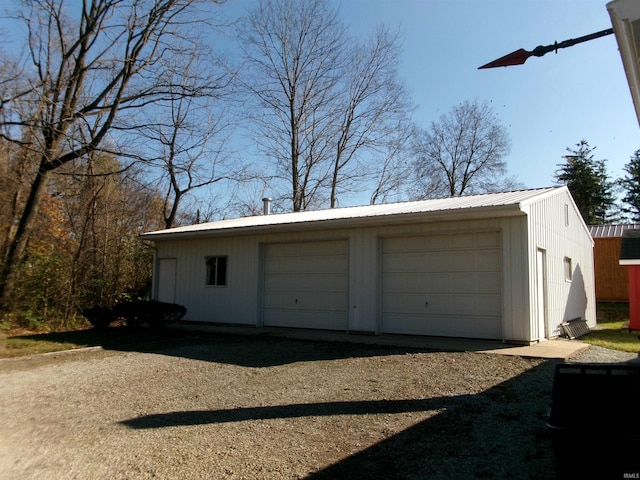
x: 443, y: 285
x: 306, y: 285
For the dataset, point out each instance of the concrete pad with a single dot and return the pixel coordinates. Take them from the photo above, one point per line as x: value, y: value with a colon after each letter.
x: 559, y: 349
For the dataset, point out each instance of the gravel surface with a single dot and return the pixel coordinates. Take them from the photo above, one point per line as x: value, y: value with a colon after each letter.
x: 603, y: 355
x: 227, y: 407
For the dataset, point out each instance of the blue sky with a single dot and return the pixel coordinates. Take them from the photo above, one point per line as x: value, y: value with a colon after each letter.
x: 547, y: 104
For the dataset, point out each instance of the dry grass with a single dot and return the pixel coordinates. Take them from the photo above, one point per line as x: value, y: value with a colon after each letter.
x: 19, y: 343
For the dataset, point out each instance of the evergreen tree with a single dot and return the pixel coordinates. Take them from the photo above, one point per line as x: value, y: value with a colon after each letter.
x: 589, y: 184
x: 630, y: 184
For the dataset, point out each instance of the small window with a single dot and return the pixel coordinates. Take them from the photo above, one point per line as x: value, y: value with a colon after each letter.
x: 566, y: 214
x: 568, y: 269
x: 217, y: 271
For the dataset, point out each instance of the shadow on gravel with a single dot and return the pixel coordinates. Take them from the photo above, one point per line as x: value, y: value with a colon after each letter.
x: 203, y: 417
x: 496, y: 434
x: 261, y: 352
x: 242, y: 350
x: 255, y: 351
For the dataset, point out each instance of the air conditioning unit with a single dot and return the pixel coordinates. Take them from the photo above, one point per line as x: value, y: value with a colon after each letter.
x: 625, y: 19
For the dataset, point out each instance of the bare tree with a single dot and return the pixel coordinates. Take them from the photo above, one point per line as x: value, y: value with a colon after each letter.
x: 391, y: 177
x: 322, y: 98
x: 185, y: 136
x: 87, y: 65
x: 293, y: 49
x: 462, y: 153
x: 368, y: 107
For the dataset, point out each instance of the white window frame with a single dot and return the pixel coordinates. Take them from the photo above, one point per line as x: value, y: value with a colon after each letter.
x: 568, y: 269
x: 217, y: 268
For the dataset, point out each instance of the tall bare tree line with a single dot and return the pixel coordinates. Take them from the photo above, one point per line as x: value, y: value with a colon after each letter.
x: 323, y: 102
x: 119, y: 110
x: 83, y: 71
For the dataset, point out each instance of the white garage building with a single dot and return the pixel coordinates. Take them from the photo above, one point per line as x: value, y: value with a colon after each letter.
x: 509, y: 266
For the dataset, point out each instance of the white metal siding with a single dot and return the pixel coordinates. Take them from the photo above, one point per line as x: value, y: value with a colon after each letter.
x: 555, y: 225
x: 306, y: 285
x: 240, y: 302
x: 444, y: 284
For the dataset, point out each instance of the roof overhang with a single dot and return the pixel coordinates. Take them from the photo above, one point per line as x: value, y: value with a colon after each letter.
x: 625, y: 19
x: 324, y: 224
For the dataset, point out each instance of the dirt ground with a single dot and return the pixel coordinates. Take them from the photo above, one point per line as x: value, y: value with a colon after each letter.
x: 232, y: 407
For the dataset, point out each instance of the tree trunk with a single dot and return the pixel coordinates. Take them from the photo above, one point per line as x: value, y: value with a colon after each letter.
x: 17, y: 247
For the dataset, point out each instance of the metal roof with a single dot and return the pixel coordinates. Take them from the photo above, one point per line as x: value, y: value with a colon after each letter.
x: 511, y: 201
x: 611, y: 231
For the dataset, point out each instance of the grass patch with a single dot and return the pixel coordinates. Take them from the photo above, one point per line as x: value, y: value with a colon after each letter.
x: 612, y: 312
x: 612, y: 338
x: 611, y: 318
x: 113, y: 337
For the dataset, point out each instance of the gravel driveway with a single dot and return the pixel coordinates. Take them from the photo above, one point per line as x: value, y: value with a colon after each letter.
x: 235, y: 407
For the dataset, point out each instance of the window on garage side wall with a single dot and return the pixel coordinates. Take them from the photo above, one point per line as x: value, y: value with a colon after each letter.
x: 217, y: 271
x: 568, y: 269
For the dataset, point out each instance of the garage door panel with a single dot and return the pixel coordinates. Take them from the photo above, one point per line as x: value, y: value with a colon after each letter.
x: 409, y: 262
x: 436, y: 262
x: 392, y: 245
x: 325, y: 301
x: 463, y: 282
x: 415, y: 282
x: 461, y: 261
x: 394, y: 303
x: 334, y: 264
x: 413, y: 244
x: 304, y: 318
x: 279, y: 300
x: 393, y: 262
x: 482, y: 282
x: 393, y: 282
x: 481, y: 327
x: 281, y: 282
x: 488, y: 282
x: 406, y: 283
x: 459, y: 326
x: 463, y: 305
x: 487, y: 260
x: 436, y: 242
x: 306, y: 285
x: 463, y: 240
x: 306, y: 301
x: 437, y: 283
x: 403, y: 303
x: 325, y: 282
x: 488, y: 305
x: 452, y: 287
x: 418, y: 325
x: 488, y: 239
x: 326, y: 248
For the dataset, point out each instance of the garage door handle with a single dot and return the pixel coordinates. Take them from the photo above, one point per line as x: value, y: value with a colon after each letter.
x: 426, y: 304
x: 296, y: 301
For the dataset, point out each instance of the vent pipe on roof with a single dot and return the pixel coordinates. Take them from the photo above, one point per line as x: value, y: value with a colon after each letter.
x: 266, y: 205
